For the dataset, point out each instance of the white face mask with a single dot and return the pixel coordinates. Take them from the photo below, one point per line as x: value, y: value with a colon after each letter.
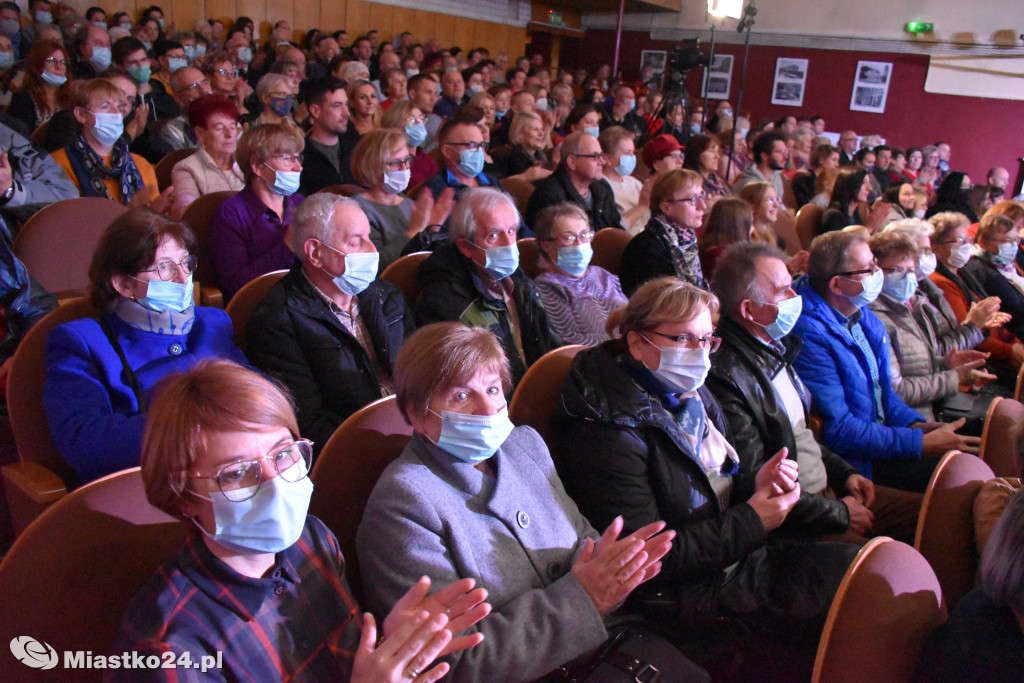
x: 960, y: 255
x: 682, y: 369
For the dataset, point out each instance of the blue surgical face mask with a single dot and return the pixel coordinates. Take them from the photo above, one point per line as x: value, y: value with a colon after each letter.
x: 107, y: 127
x: 53, y: 79
x: 475, y: 88
x: 630, y: 104
x: 575, y: 259
x: 743, y: 133
x: 282, y: 106
x: 269, y: 522
x: 500, y: 114
x: 415, y: 134
x: 1007, y: 252
x: 725, y: 113
x: 245, y: 54
x: 43, y: 17
x: 397, y: 181
x: 100, y: 25
x: 500, y: 262
x: 175, y: 63
x: 360, y: 271
x: 627, y: 164
x: 9, y: 27
x: 6, y: 61
x: 190, y: 52
x: 473, y: 438
x: 592, y: 130
x: 409, y: 73
x: 160, y: 23
x: 786, y: 317
x: 901, y: 289
x: 167, y: 296
x: 871, y: 287
x: 438, y: 90
x: 141, y: 73
x: 285, y: 182
x: 198, y: 51
x: 695, y: 128
x: 148, y: 45
x: 682, y: 369
x: 471, y: 161
x: 101, y: 57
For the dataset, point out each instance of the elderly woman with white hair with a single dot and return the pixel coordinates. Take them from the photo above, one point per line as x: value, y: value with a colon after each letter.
x: 276, y: 93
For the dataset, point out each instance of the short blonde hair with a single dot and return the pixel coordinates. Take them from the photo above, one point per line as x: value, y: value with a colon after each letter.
x: 663, y: 300
x: 885, y: 244
x: 1013, y: 210
x: 993, y: 225
x: 669, y: 183
x: 372, y: 153
x: 398, y: 113
x: 945, y: 223
x: 261, y: 142
x: 213, y: 396
x: 441, y: 355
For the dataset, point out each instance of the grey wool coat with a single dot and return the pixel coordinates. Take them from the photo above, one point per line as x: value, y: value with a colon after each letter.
x: 517, y: 535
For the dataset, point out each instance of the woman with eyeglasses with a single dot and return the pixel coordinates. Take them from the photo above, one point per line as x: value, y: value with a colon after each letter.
x: 276, y: 95
x: 44, y: 84
x: 411, y: 120
x: 100, y: 372
x: 224, y: 80
x: 641, y: 436
x: 212, y: 168
x: 473, y: 496
x: 249, y: 233
x: 382, y: 164
x: 963, y: 292
x: 98, y: 160
x: 577, y: 296
x: 258, y: 585
x: 668, y: 244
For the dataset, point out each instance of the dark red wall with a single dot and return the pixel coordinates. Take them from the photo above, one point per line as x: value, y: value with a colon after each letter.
x: 983, y: 132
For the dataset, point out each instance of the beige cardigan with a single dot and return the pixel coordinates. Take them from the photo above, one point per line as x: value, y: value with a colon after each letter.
x: 197, y: 175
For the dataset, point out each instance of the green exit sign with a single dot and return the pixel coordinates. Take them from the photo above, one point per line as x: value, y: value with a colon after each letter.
x: 920, y: 27
x: 555, y: 18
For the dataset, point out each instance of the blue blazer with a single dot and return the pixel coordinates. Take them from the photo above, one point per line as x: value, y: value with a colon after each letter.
x: 93, y: 414
x: 836, y: 371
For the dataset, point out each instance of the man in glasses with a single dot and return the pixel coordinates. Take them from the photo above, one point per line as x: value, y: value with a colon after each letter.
x: 579, y: 179
x: 475, y: 279
x: 462, y: 150
x: 187, y: 85
x: 770, y: 155
x: 845, y: 364
x: 330, y: 330
x: 768, y: 407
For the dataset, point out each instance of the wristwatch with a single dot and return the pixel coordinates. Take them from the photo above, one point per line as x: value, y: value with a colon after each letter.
x: 7, y: 196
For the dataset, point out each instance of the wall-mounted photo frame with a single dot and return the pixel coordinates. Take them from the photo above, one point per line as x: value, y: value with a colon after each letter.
x: 717, y: 78
x: 790, y: 82
x: 871, y: 87
x: 652, y: 68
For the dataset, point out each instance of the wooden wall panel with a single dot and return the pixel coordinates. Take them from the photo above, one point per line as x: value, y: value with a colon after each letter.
x: 355, y: 16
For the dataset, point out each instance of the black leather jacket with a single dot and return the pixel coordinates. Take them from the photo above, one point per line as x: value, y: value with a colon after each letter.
x: 741, y: 380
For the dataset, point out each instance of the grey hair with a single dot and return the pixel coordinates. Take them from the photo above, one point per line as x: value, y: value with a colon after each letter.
x: 314, y: 219
x: 350, y: 71
x: 914, y: 228
x: 828, y: 257
x: 269, y: 82
x: 735, y: 277
x: 462, y: 222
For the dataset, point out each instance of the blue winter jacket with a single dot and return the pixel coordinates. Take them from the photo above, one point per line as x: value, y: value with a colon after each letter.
x: 93, y: 414
x: 836, y: 371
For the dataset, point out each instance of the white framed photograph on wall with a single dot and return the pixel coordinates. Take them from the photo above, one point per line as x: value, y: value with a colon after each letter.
x: 718, y: 78
x: 790, y: 82
x: 871, y: 87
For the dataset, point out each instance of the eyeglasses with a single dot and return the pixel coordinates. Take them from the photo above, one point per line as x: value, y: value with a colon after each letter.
x: 866, y: 271
x: 55, y: 61
x: 598, y: 156
x: 692, y: 200
x: 674, y: 155
x: 900, y: 273
x: 413, y: 120
x: 568, y: 239
x: 288, y: 158
x: 225, y: 72
x: 710, y: 342
x: 166, y: 270
x: 399, y: 164
x: 193, y: 86
x: 240, y: 480
x: 472, y: 146
x: 957, y: 241
x: 773, y: 202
